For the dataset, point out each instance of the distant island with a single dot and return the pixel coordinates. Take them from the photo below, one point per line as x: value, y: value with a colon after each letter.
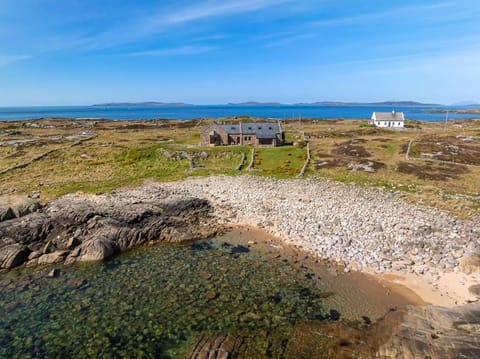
x: 383, y: 103
x: 268, y: 104
x: 466, y: 103
x: 335, y: 103
x: 472, y: 111
x: 146, y: 103
x: 255, y: 103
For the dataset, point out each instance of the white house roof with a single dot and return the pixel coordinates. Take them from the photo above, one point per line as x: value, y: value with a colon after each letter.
x: 388, y: 116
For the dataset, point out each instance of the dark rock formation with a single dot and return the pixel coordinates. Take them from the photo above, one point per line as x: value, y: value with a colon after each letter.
x: 81, y: 227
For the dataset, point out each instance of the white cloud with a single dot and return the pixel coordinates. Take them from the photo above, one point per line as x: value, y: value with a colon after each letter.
x: 178, y: 51
x: 166, y: 19
x: 464, y: 62
x: 214, y: 9
x: 401, y: 14
x: 8, y: 59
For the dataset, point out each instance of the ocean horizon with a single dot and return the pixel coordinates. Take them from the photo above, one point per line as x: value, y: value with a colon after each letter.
x: 190, y: 112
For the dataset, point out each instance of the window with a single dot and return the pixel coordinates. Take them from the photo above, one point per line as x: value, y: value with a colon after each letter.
x: 270, y: 128
x: 249, y: 128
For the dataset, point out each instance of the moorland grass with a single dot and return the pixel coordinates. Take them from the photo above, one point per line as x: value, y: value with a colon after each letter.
x: 124, y: 153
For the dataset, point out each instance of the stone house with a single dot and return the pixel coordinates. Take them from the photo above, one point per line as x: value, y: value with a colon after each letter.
x: 388, y: 119
x: 243, y: 133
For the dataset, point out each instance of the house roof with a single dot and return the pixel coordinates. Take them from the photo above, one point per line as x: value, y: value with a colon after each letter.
x: 260, y: 129
x: 388, y: 116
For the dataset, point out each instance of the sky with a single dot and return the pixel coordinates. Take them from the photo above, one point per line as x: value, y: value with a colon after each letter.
x: 81, y: 52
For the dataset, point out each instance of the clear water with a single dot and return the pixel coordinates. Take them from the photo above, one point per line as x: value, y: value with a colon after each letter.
x: 192, y: 112
x: 152, y: 301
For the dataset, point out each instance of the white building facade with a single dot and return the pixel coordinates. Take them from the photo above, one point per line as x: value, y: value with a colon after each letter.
x: 388, y: 119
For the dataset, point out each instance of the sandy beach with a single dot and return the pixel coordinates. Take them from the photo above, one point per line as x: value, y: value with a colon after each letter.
x: 393, y: 288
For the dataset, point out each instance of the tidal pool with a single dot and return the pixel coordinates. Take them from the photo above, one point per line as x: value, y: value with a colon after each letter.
x: 152, y: 301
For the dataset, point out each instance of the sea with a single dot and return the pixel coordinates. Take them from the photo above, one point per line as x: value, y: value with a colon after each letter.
x: 152, y: 302
x: 189, y: 112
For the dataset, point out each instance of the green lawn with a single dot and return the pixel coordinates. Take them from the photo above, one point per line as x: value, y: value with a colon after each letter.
x: 281, y: 162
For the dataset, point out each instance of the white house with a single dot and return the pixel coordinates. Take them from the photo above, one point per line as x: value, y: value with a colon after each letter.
x: 388, y: 119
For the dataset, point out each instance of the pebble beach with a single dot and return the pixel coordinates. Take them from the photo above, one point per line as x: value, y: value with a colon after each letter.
x: 362, y: 229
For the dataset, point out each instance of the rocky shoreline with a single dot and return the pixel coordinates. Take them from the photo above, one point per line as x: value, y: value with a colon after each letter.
x: 80, y: 227
x: 369, y: 230
x: 363, y: 229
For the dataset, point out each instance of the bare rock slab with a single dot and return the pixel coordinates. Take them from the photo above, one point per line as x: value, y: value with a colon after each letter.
x: 81, y: 227
x: 433, y: 332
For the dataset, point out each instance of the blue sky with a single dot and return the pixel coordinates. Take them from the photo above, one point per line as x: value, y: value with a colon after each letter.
x: 67, y: 52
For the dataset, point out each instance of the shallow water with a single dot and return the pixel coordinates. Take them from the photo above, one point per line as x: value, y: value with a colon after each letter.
x: 152, y: 301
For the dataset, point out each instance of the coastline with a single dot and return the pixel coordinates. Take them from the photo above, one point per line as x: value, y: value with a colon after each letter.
x: 449, y: 291
x: 353, y: 229
x: 382, y: 288
x: 414, y: 309
x: 408, y: 289
x: 416, y: 247
x: 330, y: 111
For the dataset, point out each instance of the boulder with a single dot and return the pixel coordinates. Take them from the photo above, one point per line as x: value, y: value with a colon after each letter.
x: 12, y: 255
x: 6, y: 213
x: 16, y: 206
x: 96, y: 249
x: 475, y: 290
x: 470, y: 264
x: 49, y: 258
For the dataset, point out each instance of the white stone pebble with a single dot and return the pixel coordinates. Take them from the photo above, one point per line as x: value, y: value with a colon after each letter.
x: 363, y: 228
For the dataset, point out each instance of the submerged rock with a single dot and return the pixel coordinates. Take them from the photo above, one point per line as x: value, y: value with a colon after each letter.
x: 239, y: 249
x: 210, y: 295
x: 54, y: 273
x: 314, y: 339
x: 217, y: 347
x: 79, y: 227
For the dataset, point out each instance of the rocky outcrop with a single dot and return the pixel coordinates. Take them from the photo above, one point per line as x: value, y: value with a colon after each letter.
x: 431, y: 332
x: 12, y: 255
x: 16, y: 206
x: 80, y: 227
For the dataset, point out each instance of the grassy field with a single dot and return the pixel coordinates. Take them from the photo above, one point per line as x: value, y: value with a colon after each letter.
x: 441, y: 169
